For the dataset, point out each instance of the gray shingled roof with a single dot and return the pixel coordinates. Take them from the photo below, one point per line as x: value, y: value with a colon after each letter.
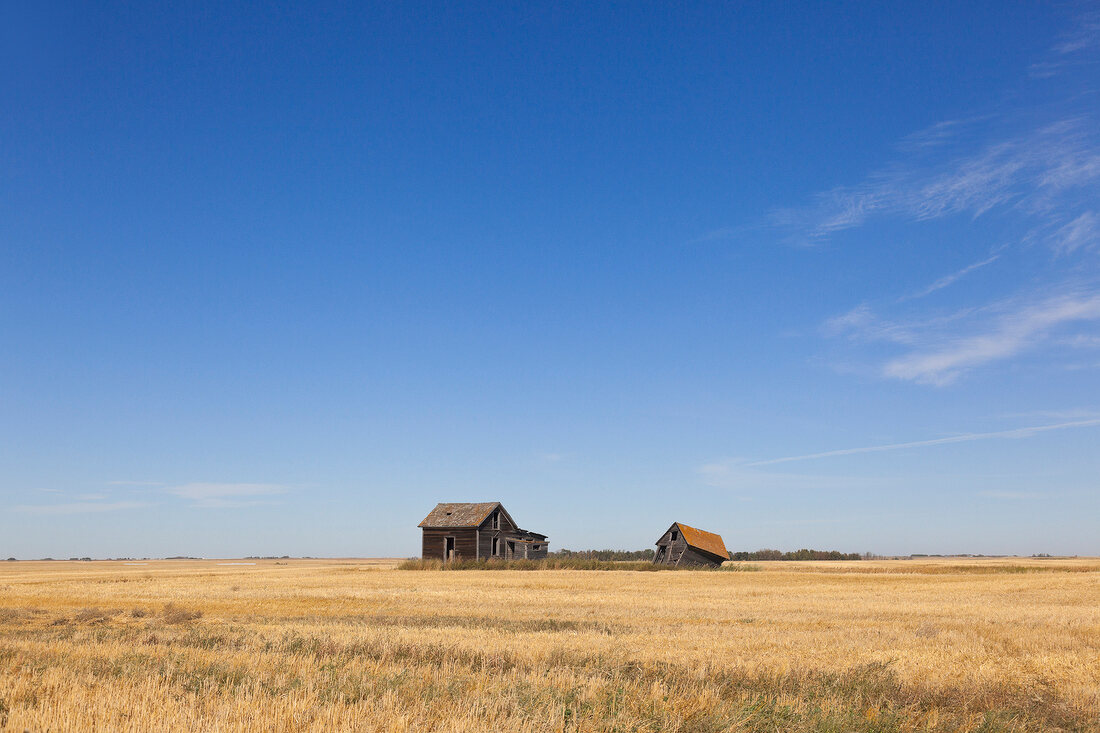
x: 459, y: 515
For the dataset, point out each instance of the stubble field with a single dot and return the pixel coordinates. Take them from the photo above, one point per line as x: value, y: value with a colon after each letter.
x: 356, y: 645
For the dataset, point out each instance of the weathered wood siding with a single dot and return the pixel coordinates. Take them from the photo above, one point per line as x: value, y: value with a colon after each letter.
x: 515, y: 549
x: 678, y: 552
x: 487, y: 534
x: 435, y: 538
x: 503, y: 538
x: 486, y: 546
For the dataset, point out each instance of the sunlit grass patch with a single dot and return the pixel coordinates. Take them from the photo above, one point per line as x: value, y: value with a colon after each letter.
x: 173, y: 614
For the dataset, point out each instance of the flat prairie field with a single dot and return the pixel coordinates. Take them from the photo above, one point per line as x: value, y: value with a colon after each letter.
x: 961, y: 645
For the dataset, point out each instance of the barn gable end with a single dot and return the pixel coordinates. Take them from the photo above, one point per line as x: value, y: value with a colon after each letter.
x: 682, y: 545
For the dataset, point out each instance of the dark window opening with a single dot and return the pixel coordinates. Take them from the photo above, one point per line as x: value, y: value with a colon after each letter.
x: 496, y: 546
x: 675, y: 535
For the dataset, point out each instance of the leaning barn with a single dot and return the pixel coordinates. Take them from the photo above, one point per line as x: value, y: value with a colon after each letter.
x: 478, y: 532
x: 684, y: 545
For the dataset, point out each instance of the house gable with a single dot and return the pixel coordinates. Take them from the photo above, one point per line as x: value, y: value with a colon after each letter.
x: 478, y: 531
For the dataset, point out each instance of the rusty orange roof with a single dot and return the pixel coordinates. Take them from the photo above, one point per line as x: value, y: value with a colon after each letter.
x: 705, y: 541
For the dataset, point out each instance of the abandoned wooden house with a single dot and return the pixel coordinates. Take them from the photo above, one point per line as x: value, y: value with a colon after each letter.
x: 478, y: 532
x: 682, y: 545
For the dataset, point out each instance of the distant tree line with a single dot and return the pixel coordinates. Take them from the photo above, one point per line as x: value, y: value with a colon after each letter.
x: 802, y: 554
x: 647, y: 555
x: 606, y: 555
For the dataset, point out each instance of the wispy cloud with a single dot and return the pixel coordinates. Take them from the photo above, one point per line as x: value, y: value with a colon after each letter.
x: 1045, y: 175
x: 1073, y: 413
x: 1033, y: 166
x: 862, y: 323
x: 950, y: 279
x: 1045, y: 166
x: 1025, y: 327
x: 940, y: 133
x: 1075, y: 48
x: 740, y: 475
x: 135, y: 483
x: 1011, y: 494
x: 1081, y: 233
x: 226, y: 495
x: 944, y: 346
x: 80, y: 507
x: 1015, y: 433
x: 1082, y: 341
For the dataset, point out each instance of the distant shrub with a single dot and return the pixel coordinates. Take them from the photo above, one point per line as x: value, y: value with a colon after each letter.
x: 173, y: 614
x: 551, y: 563
x: 91, y: 615
x: 611, y: 555
x: 803, y: 554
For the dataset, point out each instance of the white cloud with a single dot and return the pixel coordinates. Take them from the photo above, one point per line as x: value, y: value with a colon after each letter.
x: 1082, y: 341
x: 81, y: 507
x: 939, y: 133
x: 1044, y: 174
x: 1085, y: 36
x: 1073, y: 50
x: 862, y: 323
x: 944, y: 346
x: 1015, y: 433
x: 1011, y: 495
x: 226, y: 495
x: 1037, y: 169
x: 949, y: 355
x: 739, y: 475
x: 1081, y: 233
x: 1073, y: 413
x: 950, y: 279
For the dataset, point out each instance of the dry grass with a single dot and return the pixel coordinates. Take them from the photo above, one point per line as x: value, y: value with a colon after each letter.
x: 978, y: 645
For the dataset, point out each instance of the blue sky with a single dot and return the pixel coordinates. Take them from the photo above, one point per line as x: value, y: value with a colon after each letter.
x: 275, y: 279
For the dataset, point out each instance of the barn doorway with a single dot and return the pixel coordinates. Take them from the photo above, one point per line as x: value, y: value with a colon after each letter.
x: 448, y: 549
